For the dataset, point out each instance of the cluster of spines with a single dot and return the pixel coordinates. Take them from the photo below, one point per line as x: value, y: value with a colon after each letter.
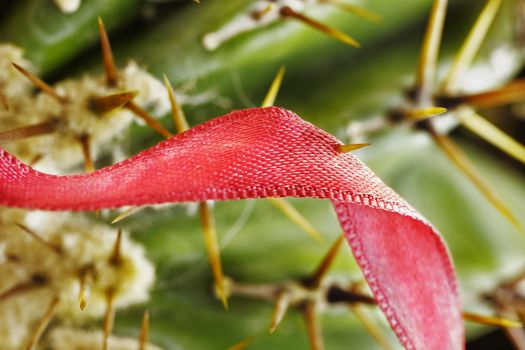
x: 421, y: 111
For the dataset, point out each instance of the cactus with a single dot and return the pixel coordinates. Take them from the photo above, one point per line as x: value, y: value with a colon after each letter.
x: 76, y: 281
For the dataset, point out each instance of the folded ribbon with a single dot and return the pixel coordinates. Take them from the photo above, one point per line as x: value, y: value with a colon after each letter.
x: 271, y: 152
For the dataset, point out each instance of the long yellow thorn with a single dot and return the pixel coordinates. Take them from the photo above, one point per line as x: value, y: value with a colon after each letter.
x: 296, y: 217
x: 85, y: 143
x: 271, y: 95
x: 106, y: 104
x: 38, y: 129
x: 424, y: 113
x: 206, y: 216
x: 471, y: 46
x: 181, y: 123
x: 371, y: 325
x: 148, y: 119
x: 282, y: 204
x: 116, y: 256
x: 426, y: 69
x: 51, y: 246
x: 282, y: 303
x: 243, y: 344
x: 454, y: 153
x: 212, y: 248
x: 287, y: 11
x: 327, y: 262
x: 21, y: 288
x: 491, y: 320
x: 41, y: 85
x: 490, y: 133
x: 356, y: 10
x: 42, y: 324
x: 511, y: 93
x: 109, y: 318
x: 313, y: 328
x: 352, y: 147
x: 144, y: 331
x: 126, y: 213
x: 209, y: 231
x: 110, y: 67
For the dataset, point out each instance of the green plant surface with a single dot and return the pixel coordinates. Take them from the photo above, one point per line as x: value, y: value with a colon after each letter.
x: 370, y: 83
x: 184, y: 312
x: 50, y: 38
x: 326, y: 83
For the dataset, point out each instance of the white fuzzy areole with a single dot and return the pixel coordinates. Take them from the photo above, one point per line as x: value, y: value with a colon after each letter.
x: 84, y: 243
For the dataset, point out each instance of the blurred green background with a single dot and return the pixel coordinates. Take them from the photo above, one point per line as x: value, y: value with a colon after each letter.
x: 327, y: 83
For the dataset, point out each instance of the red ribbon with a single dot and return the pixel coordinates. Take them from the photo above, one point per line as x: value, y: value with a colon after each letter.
x: 271, y: 152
